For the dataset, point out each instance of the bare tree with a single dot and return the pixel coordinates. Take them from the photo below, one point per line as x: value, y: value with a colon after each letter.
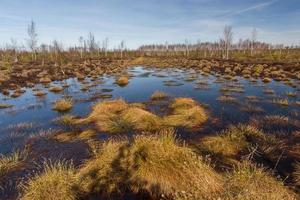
x: 253, y: 40
x: 105, y: 46
x: 43, y: 48
x: 187, y: 47
x: 14, y: 47
x: 91, y: 42
x: 57, y: 49
x: 32, y: 40
x: 228, y: 35
x: 81, y: 45
x: 122, y: 47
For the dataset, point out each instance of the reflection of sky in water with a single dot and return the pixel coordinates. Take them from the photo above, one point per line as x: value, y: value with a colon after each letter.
x: 38, y: 110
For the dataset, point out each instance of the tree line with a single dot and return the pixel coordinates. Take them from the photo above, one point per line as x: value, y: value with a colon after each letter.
x: 88, y: 47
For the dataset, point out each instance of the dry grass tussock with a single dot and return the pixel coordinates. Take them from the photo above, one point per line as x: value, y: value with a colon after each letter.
x: 276, y: 123
x: 57, y: 182
x: 185, y: 112
x: 239, y: 141
x: 122, y: 81
x: 156, y: 165
x: 11, y: 161
x: 297, y: 174
x: 248, y: 182
x: 119, y: 117
x: 158, y: 95
x: 63, y: 105
x: 232, y: 141
x: 152, y: 167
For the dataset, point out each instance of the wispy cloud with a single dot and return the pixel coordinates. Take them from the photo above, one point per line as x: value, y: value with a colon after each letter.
x: 250, y: 8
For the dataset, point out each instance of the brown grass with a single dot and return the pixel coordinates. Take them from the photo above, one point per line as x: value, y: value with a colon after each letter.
x: 297, y: 174
x: 63, y: 105
x: 119, y: 117
x: 56, y: 89
x: 156, y: 165
x: 250, y: 182
x: 266, y: 80
x: 40, y: 93
x: 158, y: 95
x: 56, y: 182
x: 122, y: 81
x: 185, y: 113
x: 230, y: 142
x: 11, y: 161
x: 3, y: 106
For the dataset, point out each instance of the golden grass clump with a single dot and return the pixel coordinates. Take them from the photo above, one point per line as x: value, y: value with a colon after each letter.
x: 3, y: 106
x: 249, y: 182
x: 122, y: 81
x: 56, y: 182
x: 238, y: 141
x: 119, y: 117
x: 231, y: 142
x: 185, y: 113
x: 56, y: 89
x: 63, y: 105
x: 10, y: 161
x: 281, y: 102
x: 158, y: 95
x: 156, y: 165
x: 67, y: 120
x: 272, y: 123
x: 291, y: 94
x: 297, y: 174
x: 141, y: 120
x: 40, y: 93
x: 266, y: 80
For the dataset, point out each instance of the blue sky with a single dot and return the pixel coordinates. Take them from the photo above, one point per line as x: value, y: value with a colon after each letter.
x: 150, y: 21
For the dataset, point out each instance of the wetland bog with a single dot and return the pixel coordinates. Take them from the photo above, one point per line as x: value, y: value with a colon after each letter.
x: 224, y: 120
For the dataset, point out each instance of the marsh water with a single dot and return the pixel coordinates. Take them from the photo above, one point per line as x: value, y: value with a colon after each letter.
x: 32, y: 115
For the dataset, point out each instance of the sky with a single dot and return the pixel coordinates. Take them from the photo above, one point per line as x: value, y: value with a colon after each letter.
x: 140, y: 22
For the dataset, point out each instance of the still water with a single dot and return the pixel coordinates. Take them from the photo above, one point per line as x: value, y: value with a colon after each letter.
x: 32, y: 115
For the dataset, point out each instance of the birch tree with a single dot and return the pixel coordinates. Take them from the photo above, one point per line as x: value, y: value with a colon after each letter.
x: 81, y: 46
x: 32, y: 38
x: 253, y: 40
x: 228, y: 35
